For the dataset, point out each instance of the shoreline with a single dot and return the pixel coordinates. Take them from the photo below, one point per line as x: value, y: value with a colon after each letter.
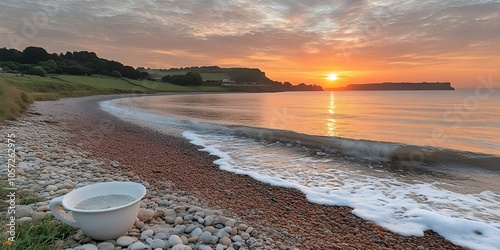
x: 281, y: 214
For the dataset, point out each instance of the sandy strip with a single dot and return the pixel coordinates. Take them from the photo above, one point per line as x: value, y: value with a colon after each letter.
x: 280, y: 213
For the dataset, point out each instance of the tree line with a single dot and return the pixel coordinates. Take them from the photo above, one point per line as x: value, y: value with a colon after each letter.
x: 190, y: 78
x: 36, y: 60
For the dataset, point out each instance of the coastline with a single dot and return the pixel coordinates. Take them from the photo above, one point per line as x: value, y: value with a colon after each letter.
x: 280, y: 214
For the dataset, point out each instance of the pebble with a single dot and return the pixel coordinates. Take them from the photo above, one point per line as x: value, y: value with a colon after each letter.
x: 86, y: 247
x: 145, y: 214
x: 242, y: 227
x: 139, y: 246
x: 181, y: 247
x: 157, y: 243
x: 125, y: 241
x: 174, y: 240
x: 106, y: 246
x: 196, y: 232
x: 161, y: 236
x: 178, y: 221
x: 222, y: 234
x: 225, y: 241
x: 23, y: 212
x: 205, y: 237
x: 148, y: 233
x: 25, y: 220
x: 204, y: 247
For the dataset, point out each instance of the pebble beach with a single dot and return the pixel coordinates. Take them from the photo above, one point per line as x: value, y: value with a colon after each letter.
x: 190, y: 203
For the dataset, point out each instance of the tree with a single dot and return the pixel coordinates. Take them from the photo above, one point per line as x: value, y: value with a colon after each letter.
x: 103, y: 72
x: 115, y: 73
x: 51, y: 63
x: 11, y: 65
x: 13, y: 55
x: 75, y: 70
x: 38, y: 71
x: 166, y: 78
x: 193, y: 78
x: 145, y: 75
x: 75, y: 63
x: 190, y: 78
x: 25, y: 68
x: 91, y: 66
x: 33, y: 55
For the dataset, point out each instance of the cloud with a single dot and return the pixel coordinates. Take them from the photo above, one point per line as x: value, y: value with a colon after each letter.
x: 348, y: 32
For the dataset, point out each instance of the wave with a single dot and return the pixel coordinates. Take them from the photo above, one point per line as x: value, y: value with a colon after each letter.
x: 374, y: 150
x: 363, y: 149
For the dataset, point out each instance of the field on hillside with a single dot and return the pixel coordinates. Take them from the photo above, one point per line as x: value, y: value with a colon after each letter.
x: 103, y: 82
x: 158, y: 74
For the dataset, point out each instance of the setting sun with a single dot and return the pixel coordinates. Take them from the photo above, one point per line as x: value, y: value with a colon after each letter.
x: 332, y: 77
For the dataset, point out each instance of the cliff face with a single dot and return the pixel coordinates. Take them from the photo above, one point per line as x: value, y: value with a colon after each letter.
x: 399, y: 86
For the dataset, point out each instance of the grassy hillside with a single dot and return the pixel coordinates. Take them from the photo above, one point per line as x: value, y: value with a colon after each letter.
x: 13, y: 101
x: 105, y: 82
x: 18, y: 92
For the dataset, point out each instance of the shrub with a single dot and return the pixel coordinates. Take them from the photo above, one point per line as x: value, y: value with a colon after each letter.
x: 74, y: 70
x: 37, y: 71
x: 190, y: 78
x: 115, y: 73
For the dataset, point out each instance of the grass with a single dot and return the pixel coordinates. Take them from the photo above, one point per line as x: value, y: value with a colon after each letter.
x: 43, y: 234
x: 13, y: 101
x: 103, y: 82
x: 27, y: 198
x: 23, y: 197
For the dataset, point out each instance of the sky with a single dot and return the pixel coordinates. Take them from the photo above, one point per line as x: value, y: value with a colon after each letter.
x: 361, y: 41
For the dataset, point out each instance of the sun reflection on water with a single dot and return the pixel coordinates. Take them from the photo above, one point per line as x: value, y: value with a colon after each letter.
x: 331, y: 121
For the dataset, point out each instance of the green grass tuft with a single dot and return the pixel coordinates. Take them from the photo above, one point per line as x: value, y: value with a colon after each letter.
x: 26, y: 198
x: 39, y: 235
x: 45, y: 234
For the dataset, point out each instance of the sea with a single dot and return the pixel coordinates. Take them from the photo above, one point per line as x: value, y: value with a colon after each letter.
x: 410, y: 161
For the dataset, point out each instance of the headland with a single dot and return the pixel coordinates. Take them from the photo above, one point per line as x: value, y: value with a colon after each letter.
x: 396, y: 86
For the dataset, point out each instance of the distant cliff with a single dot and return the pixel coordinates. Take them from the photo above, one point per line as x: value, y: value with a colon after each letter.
x: 397, y: 86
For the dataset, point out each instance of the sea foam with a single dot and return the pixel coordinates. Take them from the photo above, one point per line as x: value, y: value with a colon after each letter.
x: 409, y: 209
